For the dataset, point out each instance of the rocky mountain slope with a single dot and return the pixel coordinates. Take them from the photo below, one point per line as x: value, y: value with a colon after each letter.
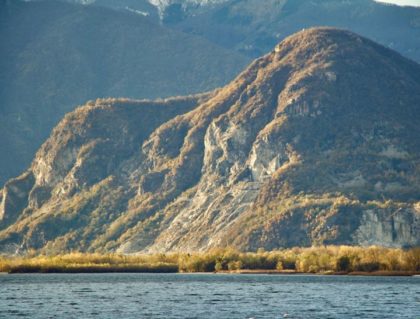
x: 314, y: 143
x: 55, y: 56
x: 50, y: 57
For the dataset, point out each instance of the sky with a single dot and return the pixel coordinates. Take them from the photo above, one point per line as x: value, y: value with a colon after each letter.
x: 403, y: 2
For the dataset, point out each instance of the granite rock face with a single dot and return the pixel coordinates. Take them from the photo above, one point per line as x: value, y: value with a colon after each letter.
x: 314, y: 143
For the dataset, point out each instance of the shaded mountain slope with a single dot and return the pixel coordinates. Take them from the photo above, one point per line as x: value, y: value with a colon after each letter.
x: 55, y: 56
x: 314, y: 143
x: 253, y: 27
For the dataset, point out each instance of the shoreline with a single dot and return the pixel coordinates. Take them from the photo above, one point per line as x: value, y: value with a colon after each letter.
x: 84, y: 270
x: 327, y: 273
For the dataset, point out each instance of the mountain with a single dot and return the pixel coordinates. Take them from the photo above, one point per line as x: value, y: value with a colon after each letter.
x: 55, y: 56
x: 140, y: 7
x: 314, y: 143
x: 253, y: 27
x: 163, y: 8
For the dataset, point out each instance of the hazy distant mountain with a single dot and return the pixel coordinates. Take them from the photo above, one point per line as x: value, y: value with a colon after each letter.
x: 164, y: 10
x: 253, y: 27
x: 55, y: 55
x: 314, y: 143
x: 140, y: 7
x: 161, y: 5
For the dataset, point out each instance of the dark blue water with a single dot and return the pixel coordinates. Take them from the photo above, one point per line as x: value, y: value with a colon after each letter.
x: 121, y: 296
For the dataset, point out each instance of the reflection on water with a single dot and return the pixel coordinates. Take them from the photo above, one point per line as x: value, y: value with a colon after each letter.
x: 207, y: 296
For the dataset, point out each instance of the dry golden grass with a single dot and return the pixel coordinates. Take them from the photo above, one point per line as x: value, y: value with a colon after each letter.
x: 323, y: 259
x: 80, y: 262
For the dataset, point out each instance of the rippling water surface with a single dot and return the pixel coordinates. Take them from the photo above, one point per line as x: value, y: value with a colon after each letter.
x: 207, y: 296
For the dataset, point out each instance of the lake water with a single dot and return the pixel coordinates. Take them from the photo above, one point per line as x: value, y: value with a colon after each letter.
x: 124, y: 296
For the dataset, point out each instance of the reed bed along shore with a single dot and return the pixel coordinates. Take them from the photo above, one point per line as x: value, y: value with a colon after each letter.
x: 325, y: 259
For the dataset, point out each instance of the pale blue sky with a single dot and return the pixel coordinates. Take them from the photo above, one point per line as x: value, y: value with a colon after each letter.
x: 403, y: 2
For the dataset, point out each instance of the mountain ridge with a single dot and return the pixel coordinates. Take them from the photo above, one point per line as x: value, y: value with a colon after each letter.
x: 314, y: 143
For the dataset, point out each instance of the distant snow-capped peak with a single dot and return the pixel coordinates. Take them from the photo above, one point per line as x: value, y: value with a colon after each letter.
x: 162, y: 4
